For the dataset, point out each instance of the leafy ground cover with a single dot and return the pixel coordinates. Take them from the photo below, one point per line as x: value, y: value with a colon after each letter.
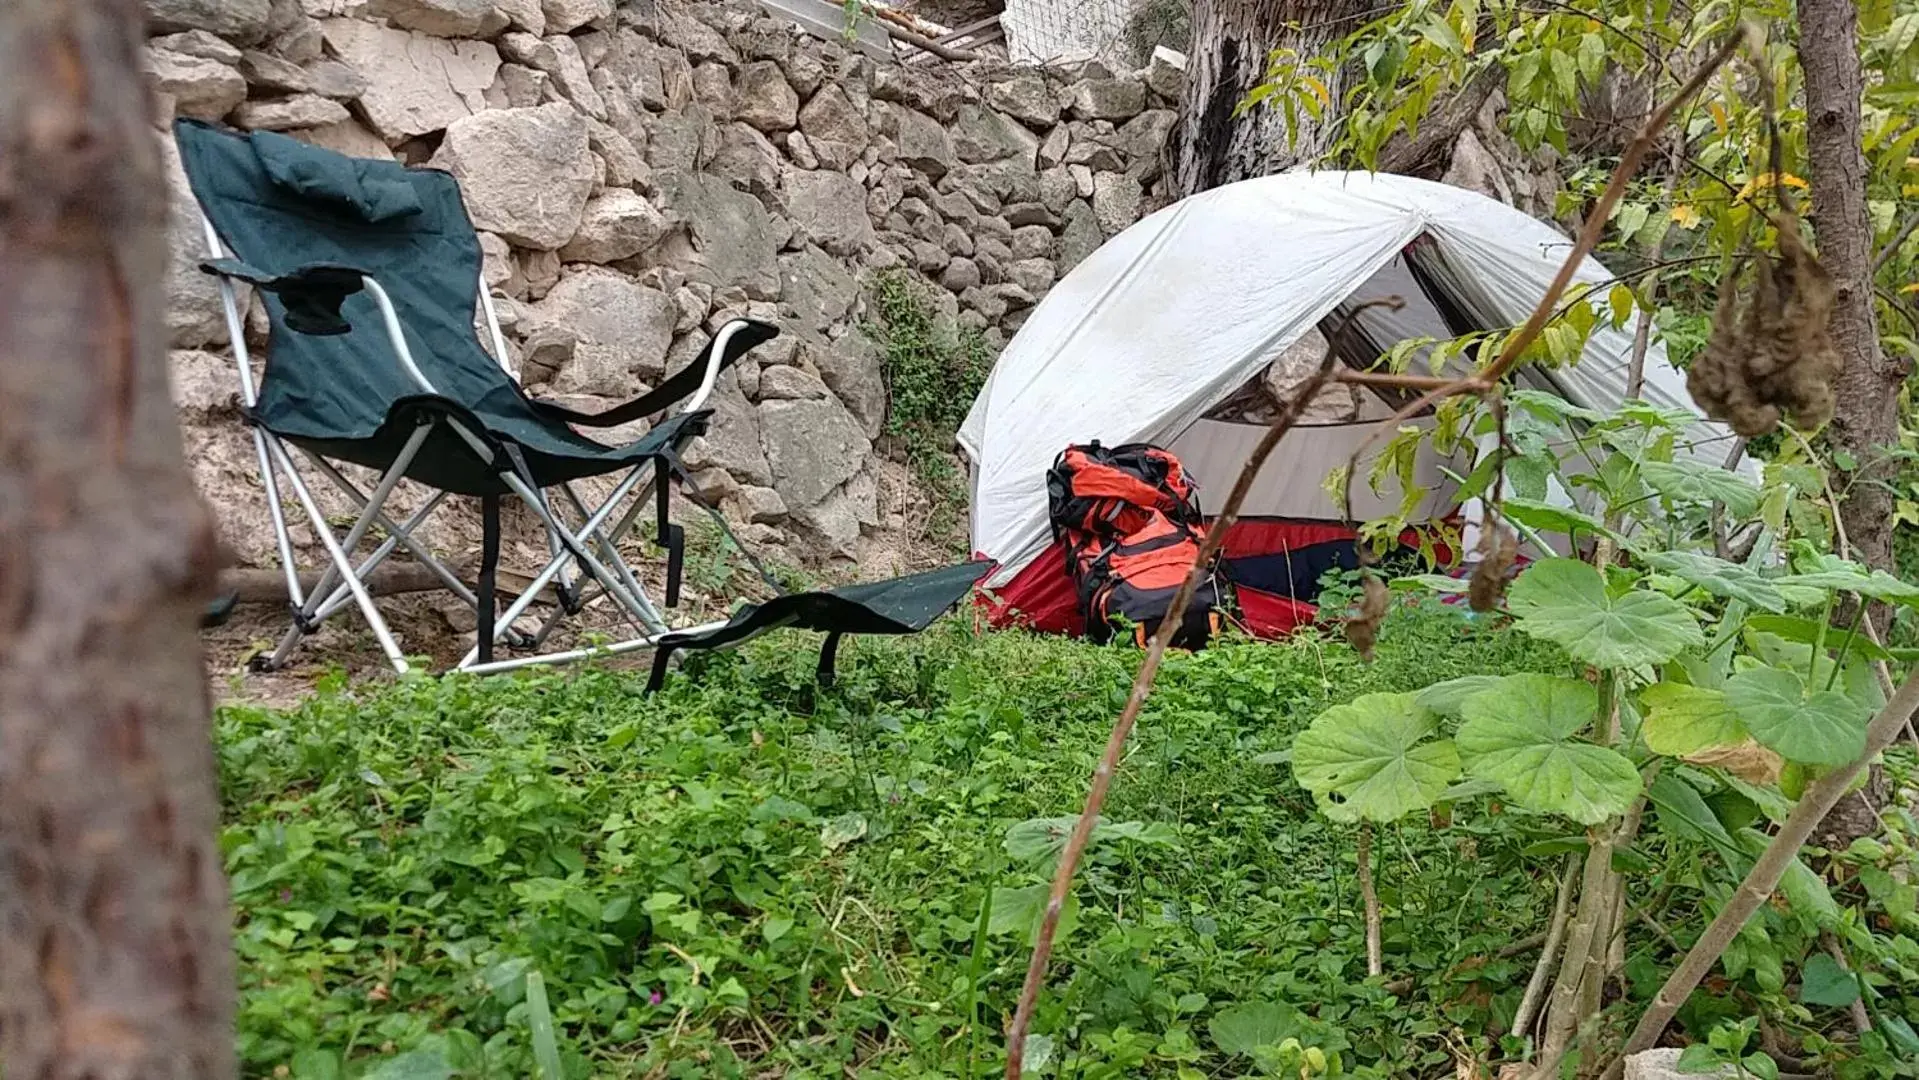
x: 745, y: 876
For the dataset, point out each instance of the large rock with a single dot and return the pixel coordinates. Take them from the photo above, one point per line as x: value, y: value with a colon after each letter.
x: 729, y: 239
x: 327, y: 78
x: 201, y: 88
x: 193, y: 311
x: 981, y: 134
x: 763, y: 98
x: 569, y: 74
x: 524, y: 15
x: 817, y: 289
x: 617, y: 224
x: 732, y: 439
x: 1080, y: 237
x: 290, y: 114
x: 566, y: 16
x: 347, y: 138
x: 922, y: 141
x: 443, y: 18
x: 242, y: 22
x: 623, y: 326
x: 832, y: 118
x: 1116, y: 199
x: 416, y: 84
x: 812, y: 448
x: 198, y: 43
x: 836, y: 520
x: 1025, y: 98
x: 1106, y: 99
x: 831, y: 208
x: 526, y: 173
x: 852, y: 368
x: 751, y: 162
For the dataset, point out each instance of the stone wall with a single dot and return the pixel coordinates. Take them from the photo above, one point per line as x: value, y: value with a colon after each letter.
x: 643, y: 173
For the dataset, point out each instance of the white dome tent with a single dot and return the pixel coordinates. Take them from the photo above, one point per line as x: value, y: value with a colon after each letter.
x: 1152, y: 331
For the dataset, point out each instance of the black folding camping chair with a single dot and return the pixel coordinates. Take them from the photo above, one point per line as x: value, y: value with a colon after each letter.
x: 370, y: 272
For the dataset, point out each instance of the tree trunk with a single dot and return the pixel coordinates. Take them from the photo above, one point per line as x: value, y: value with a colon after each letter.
x: 1866, y: 419
x: 1232, y: 41
x: 116, y: 961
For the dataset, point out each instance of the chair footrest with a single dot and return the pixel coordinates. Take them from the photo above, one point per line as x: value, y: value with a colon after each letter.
x: 901, y: 605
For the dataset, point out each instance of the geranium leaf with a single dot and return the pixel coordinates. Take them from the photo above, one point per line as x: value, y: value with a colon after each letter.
x: 1824, y: 727
x: 1445, y: 698
x: 1524, y: 736
x: 1367, y: 756
x: 1565, y: 601
x: 1693, y: 482
x: 1682, y: 719
x: 1727, y: 580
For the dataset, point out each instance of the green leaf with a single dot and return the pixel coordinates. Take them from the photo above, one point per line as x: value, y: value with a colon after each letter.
x: 1019, y: 911
x: 1565, y: 601
x: 1620, y: 300
x: 1039, y: 1053
x: 539, y: 1018
x: 1699, y: 1058
x: 1245, y: 1028
x: 1545, y: 517
x: 1525, y: 737
x: 1681, y: 806
x: 1823, y: 982
x: 1822, y: 728
x: 775, y: 927
x: 1727, y: 580
x: 1592, y: 57
x: 412, y: 1065
x: 1694, y: 482
x: 1367, y: 755
x: 1806, y: 891
x: 1836, y: 574
x: 1446, y: 697
x: 1682, y: 719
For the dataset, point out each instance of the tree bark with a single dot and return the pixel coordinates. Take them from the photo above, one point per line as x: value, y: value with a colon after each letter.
x: 1232, y: 41
x: 1866, y: 419
x: 117, y: 960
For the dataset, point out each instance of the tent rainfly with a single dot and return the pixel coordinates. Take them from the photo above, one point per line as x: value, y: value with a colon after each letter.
x: 1174, y: 315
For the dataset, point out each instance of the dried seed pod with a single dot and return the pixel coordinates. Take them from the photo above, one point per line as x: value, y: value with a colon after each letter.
x: 1362, y: 630
x: 1498, y: 550
x: 1775, y: 357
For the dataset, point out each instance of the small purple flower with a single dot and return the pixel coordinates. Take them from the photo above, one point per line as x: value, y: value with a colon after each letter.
x: 655, y: 998
x: 286, y: 896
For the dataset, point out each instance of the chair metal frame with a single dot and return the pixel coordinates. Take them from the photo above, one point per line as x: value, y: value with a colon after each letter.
x: 572, y: 551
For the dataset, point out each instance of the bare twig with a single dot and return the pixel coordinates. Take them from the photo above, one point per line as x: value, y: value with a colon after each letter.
x: 1555, y: 935
x: 1169, y: 624
x: 1891, y: 249
x: 1375, y: 960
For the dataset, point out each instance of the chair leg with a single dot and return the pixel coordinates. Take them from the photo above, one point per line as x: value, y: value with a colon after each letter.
x: 592, y: 565
x: 339, y: 557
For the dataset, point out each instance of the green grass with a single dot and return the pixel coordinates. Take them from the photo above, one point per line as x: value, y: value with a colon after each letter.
x: 746, y: 876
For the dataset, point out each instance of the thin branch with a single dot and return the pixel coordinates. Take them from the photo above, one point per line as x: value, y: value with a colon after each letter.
x: 1169, y: 624
x: 1891, y: 250
x: 1375, y: 960
x: 1602, y: 210
x: 1817, y: 801
x: 1555, y: 935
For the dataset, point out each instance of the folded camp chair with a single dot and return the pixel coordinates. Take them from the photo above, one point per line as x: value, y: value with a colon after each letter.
x: 370, y: 272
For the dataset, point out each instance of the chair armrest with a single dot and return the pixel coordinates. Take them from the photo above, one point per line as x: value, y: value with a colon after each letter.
x: 312, y: 293
x: 696, y: 379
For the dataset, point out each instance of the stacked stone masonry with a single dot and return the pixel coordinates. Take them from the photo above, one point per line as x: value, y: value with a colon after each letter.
x: 642, y: 173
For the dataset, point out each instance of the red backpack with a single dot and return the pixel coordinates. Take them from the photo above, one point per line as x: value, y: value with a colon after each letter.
x: 1130, y: 519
